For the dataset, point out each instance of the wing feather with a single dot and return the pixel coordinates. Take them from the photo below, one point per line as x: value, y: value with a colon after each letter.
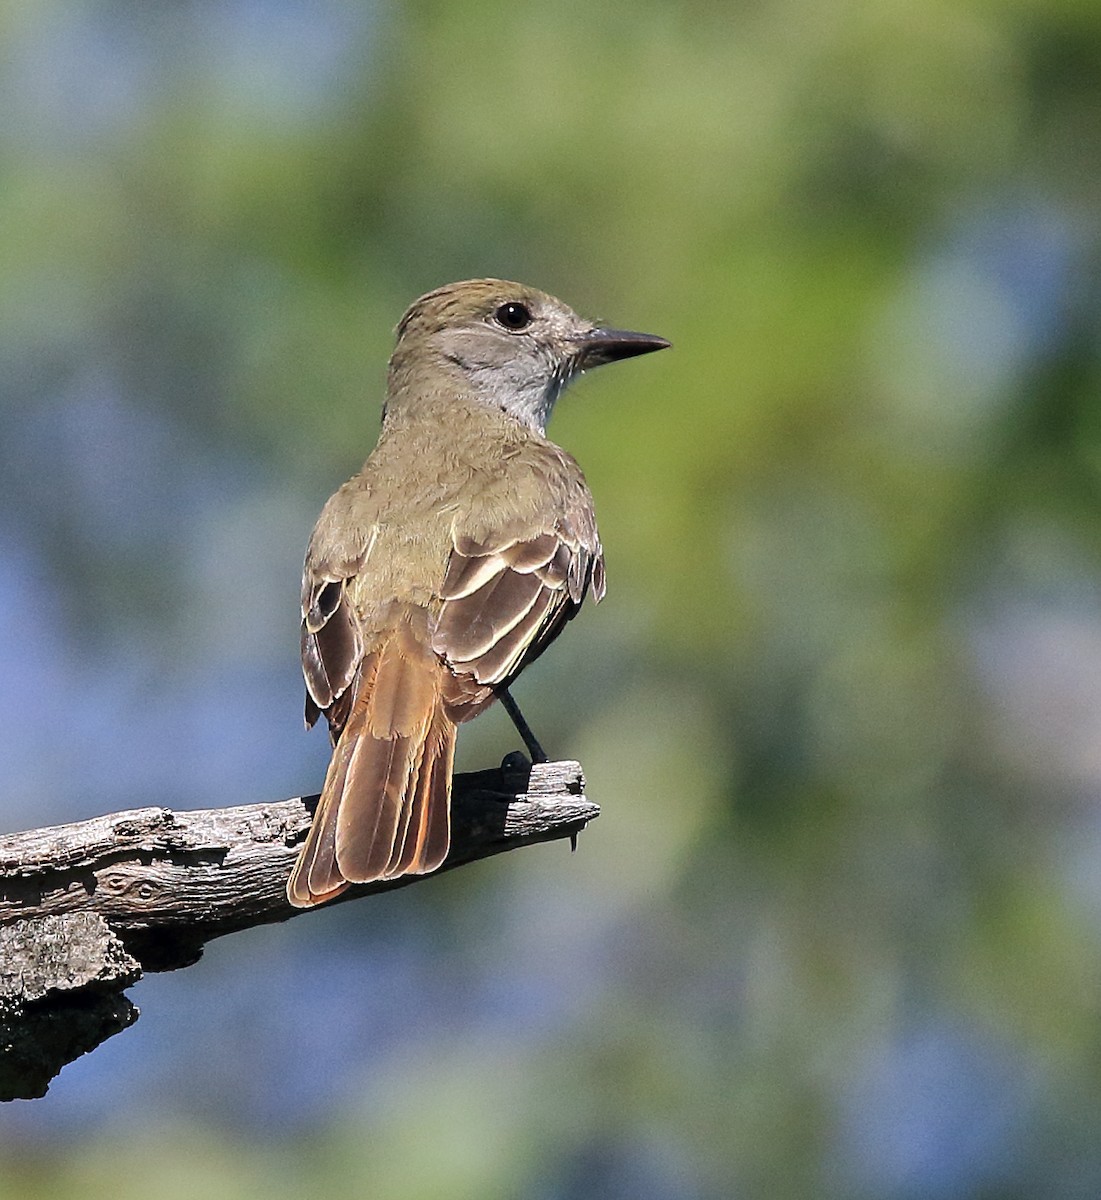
x: 504, y: 601
x: 331, y: 644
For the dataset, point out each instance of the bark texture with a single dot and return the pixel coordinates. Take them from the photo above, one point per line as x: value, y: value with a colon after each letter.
x: 86, y: 908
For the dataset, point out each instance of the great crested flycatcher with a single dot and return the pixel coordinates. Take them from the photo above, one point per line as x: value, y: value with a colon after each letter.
x: 450, y: 562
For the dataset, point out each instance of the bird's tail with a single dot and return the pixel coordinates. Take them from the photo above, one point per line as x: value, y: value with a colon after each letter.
x: 385, y: 807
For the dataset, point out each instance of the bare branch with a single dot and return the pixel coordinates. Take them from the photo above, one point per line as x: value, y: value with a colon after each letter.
x: 86, y: 908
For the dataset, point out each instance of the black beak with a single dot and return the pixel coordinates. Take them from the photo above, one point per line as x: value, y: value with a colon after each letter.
x: 600, y: 346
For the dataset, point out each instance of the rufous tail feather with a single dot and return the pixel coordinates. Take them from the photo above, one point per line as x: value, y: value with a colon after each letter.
x: 385, y: 806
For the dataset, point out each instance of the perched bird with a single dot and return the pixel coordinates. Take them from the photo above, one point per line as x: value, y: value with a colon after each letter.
x: 436, y: 574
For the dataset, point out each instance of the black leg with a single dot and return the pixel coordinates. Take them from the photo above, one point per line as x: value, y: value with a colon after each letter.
x: 522, y: 727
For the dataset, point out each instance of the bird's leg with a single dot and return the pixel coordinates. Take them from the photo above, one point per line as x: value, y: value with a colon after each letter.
x: 522, y: 727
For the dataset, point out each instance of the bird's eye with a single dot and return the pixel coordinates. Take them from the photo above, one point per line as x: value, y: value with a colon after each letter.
x: 513, y: 317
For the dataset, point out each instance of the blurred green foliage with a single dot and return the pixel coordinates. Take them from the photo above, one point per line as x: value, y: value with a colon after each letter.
x: 837, y: 931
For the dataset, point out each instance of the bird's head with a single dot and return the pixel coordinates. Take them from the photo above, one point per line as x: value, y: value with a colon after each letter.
x: 515, y: 347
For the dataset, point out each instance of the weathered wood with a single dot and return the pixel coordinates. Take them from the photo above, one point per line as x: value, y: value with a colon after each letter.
x: 86, y: 908
x: 61, y: 994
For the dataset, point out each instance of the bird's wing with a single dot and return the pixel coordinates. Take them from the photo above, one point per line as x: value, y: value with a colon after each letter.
x: 331, y: 645
x: 505, y: 598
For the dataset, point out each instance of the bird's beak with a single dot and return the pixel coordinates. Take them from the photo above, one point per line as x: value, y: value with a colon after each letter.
x: 607, y: 345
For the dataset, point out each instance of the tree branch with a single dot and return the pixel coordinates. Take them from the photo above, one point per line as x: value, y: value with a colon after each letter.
x: 86, y: 908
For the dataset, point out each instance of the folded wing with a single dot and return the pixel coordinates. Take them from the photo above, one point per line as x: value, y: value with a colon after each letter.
x: 505, y: 599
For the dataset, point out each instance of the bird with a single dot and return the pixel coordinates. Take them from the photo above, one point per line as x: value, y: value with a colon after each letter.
x: 443, y: 568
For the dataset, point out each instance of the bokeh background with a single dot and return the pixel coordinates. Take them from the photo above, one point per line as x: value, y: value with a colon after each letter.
x: 838, y: 930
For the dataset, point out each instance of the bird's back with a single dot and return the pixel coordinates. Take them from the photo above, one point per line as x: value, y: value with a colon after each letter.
x: 445, y: 472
